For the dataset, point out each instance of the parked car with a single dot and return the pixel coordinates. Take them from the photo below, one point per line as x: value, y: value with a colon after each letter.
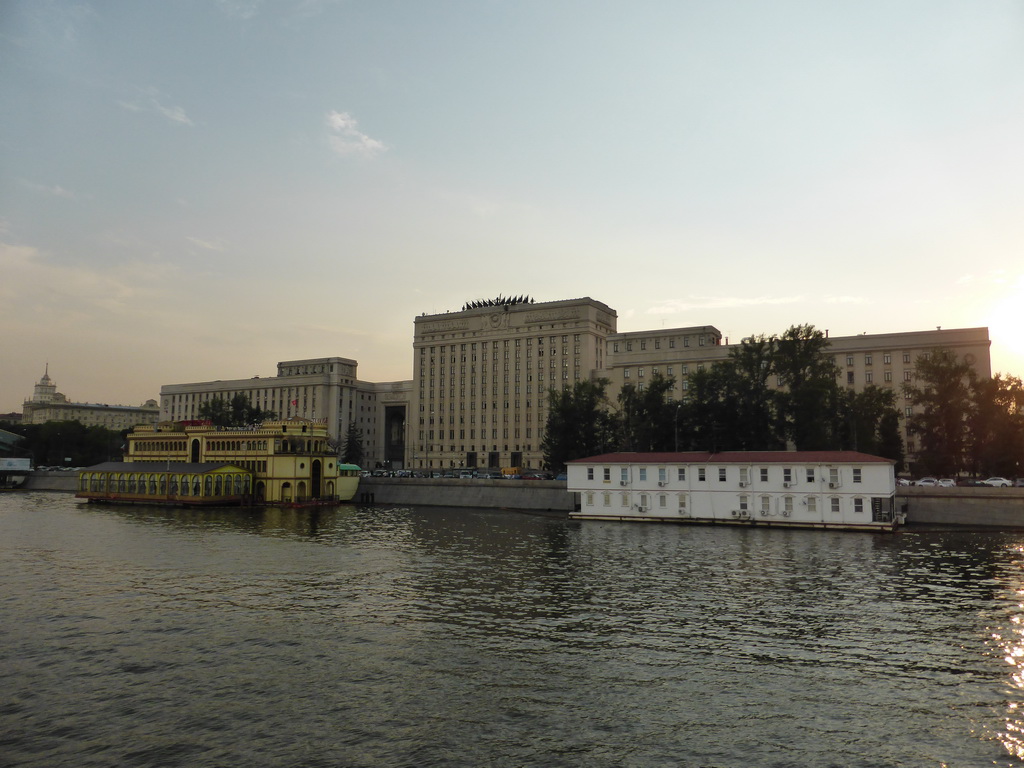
x: 929, y: 481
x: 998, y: 482
x: 1019, y: 482
x: 946, y: 482
x: 902, y: 481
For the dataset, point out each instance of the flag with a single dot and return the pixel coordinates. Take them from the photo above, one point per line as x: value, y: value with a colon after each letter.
x: 295, y: 402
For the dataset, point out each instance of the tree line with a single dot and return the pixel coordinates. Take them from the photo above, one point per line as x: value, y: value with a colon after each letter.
x: 779, y: 392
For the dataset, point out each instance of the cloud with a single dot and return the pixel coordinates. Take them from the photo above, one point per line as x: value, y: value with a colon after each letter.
x: 55, y: 190
x: 701, y: 303
x: 153, y: 101
x: 209, y: 245
x: 672, y: 306
x: 346, y: 139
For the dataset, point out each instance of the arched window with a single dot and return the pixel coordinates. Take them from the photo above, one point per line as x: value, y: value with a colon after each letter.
x: 208, y: 485
x: 195, y: 485
x: 163, y: 485
x: 217, y: 486
x: 121, y: 484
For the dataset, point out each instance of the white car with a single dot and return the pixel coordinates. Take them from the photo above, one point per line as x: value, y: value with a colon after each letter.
x: 929, y: 481
x: 998, y: 482
x: 947, y: 483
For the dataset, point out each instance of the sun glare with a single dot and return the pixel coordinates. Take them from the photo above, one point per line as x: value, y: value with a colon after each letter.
x: 1005, y: 323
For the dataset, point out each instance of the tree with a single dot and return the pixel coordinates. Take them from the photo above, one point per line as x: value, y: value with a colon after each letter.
x: 869, y: 423
x: 353, y: 450
x: 809, y: 397
x: 579, y: 423
x: 943, y: 393
x: 996, y: 444
x: 646, y: 419
x: 238, y: 413
x: 751, y: 402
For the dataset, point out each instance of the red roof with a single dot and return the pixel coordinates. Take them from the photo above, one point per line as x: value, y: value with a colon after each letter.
x: 736, y: 457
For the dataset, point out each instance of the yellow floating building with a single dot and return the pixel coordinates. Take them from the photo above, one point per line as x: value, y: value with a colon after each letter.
x: 287, y: 461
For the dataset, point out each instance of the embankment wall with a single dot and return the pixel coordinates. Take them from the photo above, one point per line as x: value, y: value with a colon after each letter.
x: 974, y: 507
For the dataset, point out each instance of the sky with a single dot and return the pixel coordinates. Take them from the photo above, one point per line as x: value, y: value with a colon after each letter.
x: 196, y: 190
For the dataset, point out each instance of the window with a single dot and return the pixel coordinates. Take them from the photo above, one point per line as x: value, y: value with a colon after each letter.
x: 764, y: 474
x: 682, y: 503
x: 744, y: 476
x: 849, y: 377
x: 590, y: 498
x: 812, y: 503
x: 607, y: 474
x: 701, y: 476
x: 590, y: 473
x: 867, y: 359
x: 833, y: 477
x: 643, y: 474
x: 744, y: 506
x: 787, y: 505
x: 849, y: 359
x: 625, y: 499
x: 787, y: 476
x: 662, y: 475
x: 868, y: 377
x: 908, y: 376
x: 856, y: 474
x: 721, y: 474
x: 766, y: 504
x: 906, y: 357
x: 810, y: 474
x: 681, y: 473
x: 858, y: 504
x: 887, y: 375
x: 606, y: 499
x: 662, y: 500
x: 834, y: 500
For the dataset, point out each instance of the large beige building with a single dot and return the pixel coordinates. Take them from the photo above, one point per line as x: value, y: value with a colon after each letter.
x: 47, y: 404
x: 481, y: 377
x: 324, y: 388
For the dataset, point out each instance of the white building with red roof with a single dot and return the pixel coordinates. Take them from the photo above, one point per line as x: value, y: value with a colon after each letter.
x: 805, y: 489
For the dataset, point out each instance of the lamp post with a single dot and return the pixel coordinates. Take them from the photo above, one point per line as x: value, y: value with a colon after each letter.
x: 678, y: 405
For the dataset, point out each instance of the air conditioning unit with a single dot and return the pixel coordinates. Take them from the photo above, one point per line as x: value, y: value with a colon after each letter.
x: 788, y: 485
x: 622, y: 482
x: 735, y: 513
x: 662, y: 485
x: 641, y: 510
x: 833, y: 485
x: 785, y: 513
x: 744, y: 483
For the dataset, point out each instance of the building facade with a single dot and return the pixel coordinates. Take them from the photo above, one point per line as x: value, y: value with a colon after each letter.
x: 481, y: 377
x: 321, y: 389
x: 886, y: 360
x: 47, y: 404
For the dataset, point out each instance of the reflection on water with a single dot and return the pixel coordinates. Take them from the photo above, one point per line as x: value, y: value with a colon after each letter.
x: 440, y: 637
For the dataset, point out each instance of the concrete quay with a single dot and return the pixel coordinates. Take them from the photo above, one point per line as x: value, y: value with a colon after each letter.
x: 961, y: 506
x: 977, y: 507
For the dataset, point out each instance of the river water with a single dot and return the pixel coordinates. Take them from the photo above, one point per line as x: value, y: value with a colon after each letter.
x: 361, y: 636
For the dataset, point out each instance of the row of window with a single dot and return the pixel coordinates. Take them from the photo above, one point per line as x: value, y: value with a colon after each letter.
x: 702, y: 340
x: 765, y: 504
x: 790, y: 475
x: 162, y: 485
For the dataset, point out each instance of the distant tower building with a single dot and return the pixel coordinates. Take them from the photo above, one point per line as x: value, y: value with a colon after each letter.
x: 47, y: 404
